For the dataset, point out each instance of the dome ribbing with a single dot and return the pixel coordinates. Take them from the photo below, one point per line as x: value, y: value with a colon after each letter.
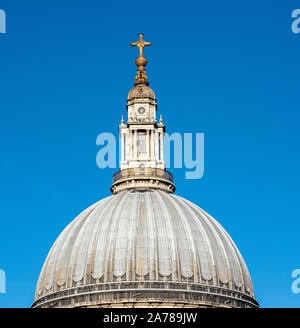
x: 151, y: 242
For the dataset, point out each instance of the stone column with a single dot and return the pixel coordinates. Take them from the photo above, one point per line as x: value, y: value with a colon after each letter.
x: 156, y: 146
x: 131, y: 144
x: 147, y: 145
x: 122, y: 146
x: 161, y: 145
x: 152, y: 144
x: 135, y: 145
x: 127, y: 144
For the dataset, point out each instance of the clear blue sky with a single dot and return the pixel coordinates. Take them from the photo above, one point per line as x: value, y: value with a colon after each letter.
x: 229, y: 69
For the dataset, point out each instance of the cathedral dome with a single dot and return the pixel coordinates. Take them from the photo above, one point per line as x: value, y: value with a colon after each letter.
x: 144, y: 247
x: 141, y: 91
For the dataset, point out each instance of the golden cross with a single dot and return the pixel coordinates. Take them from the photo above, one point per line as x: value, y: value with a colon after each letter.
x: 140, y: 44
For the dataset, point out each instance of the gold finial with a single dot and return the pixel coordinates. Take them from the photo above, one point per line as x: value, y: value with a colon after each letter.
x: 141, y: 61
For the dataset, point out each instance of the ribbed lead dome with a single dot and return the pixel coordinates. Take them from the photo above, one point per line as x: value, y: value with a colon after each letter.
x: 144, y: 246
x: 141, y: 91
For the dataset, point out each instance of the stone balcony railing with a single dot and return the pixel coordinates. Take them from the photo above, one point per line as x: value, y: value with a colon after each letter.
x: 142, y: 178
